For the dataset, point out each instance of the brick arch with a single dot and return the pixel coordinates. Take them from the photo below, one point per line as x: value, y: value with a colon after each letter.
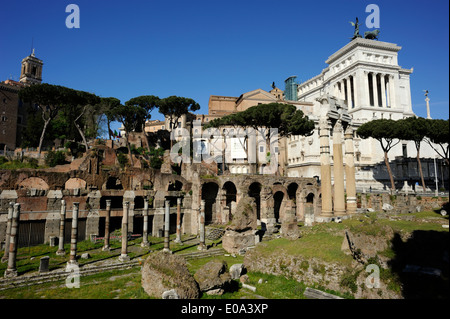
x: 34, y: 182
x: 75, y: 182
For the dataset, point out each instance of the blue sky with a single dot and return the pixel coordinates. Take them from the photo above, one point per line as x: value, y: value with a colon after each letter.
x: 201, y: 48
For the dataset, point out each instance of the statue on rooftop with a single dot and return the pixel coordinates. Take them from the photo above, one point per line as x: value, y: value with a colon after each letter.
x: 356, y: 25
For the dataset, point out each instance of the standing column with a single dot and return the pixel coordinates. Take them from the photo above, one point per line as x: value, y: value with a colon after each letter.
x: 375, y: 90
x: 62, y: 224
x: 347, y: 92
x: 338, y: 169
x: 11, y: 271
x: 73, y: 236
x: 166, y: 226
x: 178, y: 239
x: 145, y: 242
x: 325, y: 168
x: 107, y: 220
x: 427, y: 100
x: 8, y: 232
x: 388, y: 92
x: 392, y: 91
x: 350, y: 98
x: 350, y: 171
x: 356, y: 88
x: 383, y: 90
x: 124, y: 252
x: 366, y: 90
x: 201, y: 226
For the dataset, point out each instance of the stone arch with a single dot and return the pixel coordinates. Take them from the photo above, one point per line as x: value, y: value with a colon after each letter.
x: 278, y: 197
x: 73, y: 183
x: 175, y: 185
x: 292, y: 190
x: 230, y: 192
x: 210, y: 190
x: 254, y: 190
x: 33, y: 183
x: 112, y: 183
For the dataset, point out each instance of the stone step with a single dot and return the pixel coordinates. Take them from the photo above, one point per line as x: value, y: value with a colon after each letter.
x: 317, y: 294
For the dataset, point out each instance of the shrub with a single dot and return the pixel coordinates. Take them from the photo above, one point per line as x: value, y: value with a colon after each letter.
x: 155, y: 162
x: 55, y: 158
x: 122, y: 159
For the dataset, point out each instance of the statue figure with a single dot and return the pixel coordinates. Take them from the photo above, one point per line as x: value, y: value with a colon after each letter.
x: 356, y: 25
x: 372, y: 35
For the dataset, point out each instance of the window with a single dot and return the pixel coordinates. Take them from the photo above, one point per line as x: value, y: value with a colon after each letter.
x: 261, y: 149
x: 405, y: 150
x: 4, y: 118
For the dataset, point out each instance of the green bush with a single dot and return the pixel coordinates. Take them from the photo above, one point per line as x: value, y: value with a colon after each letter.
x: 155, y: 162
x: 55, y: 158
x: 123, y: 159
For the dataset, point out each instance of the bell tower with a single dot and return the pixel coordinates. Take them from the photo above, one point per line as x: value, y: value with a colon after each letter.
x: 31, y: 72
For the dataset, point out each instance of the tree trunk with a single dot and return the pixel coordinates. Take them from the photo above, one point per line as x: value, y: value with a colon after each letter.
x: 109, y: 127
x: 82, y: 136
x: 420, y: 167
x: 41, y: 140
x: 386, y: 161
x: 129, y: 149
x: 79, y: 129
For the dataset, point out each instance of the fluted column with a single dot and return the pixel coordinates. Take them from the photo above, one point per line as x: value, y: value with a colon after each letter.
x: 62, y: 223
x: 350, y: 170
x: 393, y: 91
x: 356, y: 88
x: 366, y: 91
x: 338, y: 169
x: 349, y: 89
x: 383, y: 90
x: 325, y: 168
x: 375, y: 89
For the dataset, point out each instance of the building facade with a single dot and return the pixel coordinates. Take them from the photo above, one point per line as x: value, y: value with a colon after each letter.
x: 366, y: 76
x: 12, y: 110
